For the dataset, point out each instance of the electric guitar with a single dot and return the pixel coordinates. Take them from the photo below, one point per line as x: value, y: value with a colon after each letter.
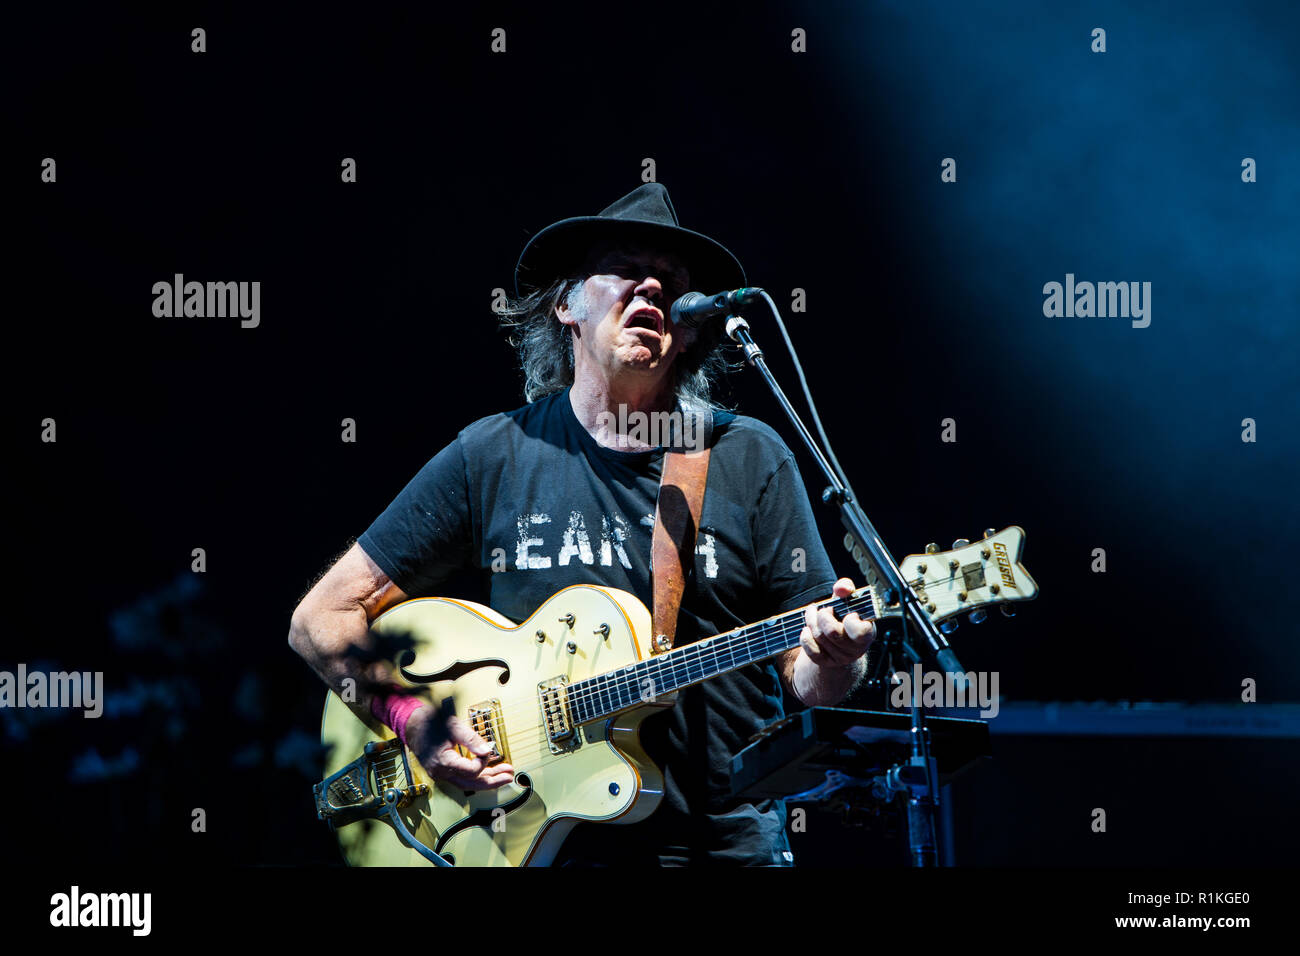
x: 560, y: 697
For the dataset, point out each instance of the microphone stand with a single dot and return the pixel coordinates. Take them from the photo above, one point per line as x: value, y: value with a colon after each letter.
x: 919, y: 777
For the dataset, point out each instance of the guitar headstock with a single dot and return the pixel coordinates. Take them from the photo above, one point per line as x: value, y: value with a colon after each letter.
x: 971, y: 576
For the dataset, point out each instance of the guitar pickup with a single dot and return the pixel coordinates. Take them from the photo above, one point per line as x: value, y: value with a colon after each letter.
x: 560, y: 730
x: 486, y: 720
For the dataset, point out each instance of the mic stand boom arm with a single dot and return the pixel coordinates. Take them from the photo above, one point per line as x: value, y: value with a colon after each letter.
x: 921, y: 774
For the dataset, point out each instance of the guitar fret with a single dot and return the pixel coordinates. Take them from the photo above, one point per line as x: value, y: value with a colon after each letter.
x: 606, y: 688
x: 610, y: 693
x: 674, y: 665
x: 630, y: 684
x: 665, y: 680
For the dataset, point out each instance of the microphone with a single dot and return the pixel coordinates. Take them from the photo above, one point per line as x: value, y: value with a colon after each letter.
x: 692, y: 309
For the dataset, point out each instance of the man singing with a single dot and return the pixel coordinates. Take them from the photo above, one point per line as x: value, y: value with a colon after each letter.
x: 563, y: 492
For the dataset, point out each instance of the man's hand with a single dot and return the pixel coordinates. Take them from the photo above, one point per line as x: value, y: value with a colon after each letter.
x: 830, y: 659
x: 832, y: 643
x: 435, y: 748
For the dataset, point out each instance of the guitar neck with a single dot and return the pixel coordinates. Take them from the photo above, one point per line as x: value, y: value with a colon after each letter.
x: 606, y: 694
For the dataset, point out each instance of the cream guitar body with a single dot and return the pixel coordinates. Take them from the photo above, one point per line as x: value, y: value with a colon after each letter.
x: 477, y: 660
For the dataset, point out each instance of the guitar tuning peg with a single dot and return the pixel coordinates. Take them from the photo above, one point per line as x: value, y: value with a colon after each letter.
x: 949, y: 625
x: 931, y: 548
x: 1008, y: 610
x: 989, y: 532
x: 960, y: 543
x: 978, y: 616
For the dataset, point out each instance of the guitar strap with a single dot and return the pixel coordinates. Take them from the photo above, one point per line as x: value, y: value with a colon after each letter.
x: 677, y: 521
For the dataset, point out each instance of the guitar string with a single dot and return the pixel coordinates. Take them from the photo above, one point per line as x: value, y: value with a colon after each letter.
x: 621, y: 679
x: 595, y: 692
x: 779, y: 630
x: 778, y: 634
x: 523, y: 709
x: 728, y: 642
x: 629, y: 678
x: 851, y: 605
x: 536, y: 753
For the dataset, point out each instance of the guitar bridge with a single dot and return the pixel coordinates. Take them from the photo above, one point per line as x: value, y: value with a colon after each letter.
x: 359, y: 791
x: 561, y: 732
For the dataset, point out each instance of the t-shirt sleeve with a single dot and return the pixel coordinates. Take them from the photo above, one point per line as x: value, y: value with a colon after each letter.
x: 426, y: 533
x: 792, y: 561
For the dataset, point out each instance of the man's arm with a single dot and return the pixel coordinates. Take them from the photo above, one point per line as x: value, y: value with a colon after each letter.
x: 330, y: 628
x: 830, y: 660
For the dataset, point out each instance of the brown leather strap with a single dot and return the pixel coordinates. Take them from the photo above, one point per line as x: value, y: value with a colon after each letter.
x: 677, y: 521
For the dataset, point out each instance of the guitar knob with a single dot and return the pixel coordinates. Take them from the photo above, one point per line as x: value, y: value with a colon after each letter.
x: 949, y: 625
x: 978, y: 616
x: 989, y: 532
x: 960, y: 543
x: 931, y: 548
x: 1008, y: 610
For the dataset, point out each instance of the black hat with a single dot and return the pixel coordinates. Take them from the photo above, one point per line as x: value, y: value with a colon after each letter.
x: 644, y: 214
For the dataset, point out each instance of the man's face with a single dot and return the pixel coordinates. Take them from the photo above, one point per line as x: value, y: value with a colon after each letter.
x: 621, y: 315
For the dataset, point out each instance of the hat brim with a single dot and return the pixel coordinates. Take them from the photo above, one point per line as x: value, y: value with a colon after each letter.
x: 559, y: 250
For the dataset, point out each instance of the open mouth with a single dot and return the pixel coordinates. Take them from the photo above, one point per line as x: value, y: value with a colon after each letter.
x: 646, y: 319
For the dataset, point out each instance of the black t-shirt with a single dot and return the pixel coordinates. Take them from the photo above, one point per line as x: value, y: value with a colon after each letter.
x: 531, y: 492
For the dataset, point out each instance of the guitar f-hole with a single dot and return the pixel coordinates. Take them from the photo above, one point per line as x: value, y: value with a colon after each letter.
x: 457, y: 671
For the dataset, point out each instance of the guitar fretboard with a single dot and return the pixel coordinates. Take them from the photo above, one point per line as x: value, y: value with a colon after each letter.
x: 607, y: 694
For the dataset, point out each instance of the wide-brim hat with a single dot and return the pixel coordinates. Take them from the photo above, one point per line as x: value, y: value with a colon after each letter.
x: 645, y: 214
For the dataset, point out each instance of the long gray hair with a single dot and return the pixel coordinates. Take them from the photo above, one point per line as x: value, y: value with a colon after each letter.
x: 545, y: 347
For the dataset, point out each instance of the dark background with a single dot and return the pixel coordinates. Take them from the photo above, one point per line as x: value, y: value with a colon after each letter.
x: 820, y: 171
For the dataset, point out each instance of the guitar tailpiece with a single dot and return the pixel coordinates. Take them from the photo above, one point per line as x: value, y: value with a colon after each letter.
x: 347, y: 796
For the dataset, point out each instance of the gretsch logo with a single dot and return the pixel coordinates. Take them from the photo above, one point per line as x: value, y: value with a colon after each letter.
x: 1004, y: 564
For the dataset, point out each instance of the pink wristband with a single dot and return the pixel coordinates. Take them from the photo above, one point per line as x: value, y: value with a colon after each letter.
x: 394, y: 711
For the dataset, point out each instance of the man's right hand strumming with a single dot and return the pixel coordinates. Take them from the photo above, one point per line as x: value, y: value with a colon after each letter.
x: 435, y: 748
